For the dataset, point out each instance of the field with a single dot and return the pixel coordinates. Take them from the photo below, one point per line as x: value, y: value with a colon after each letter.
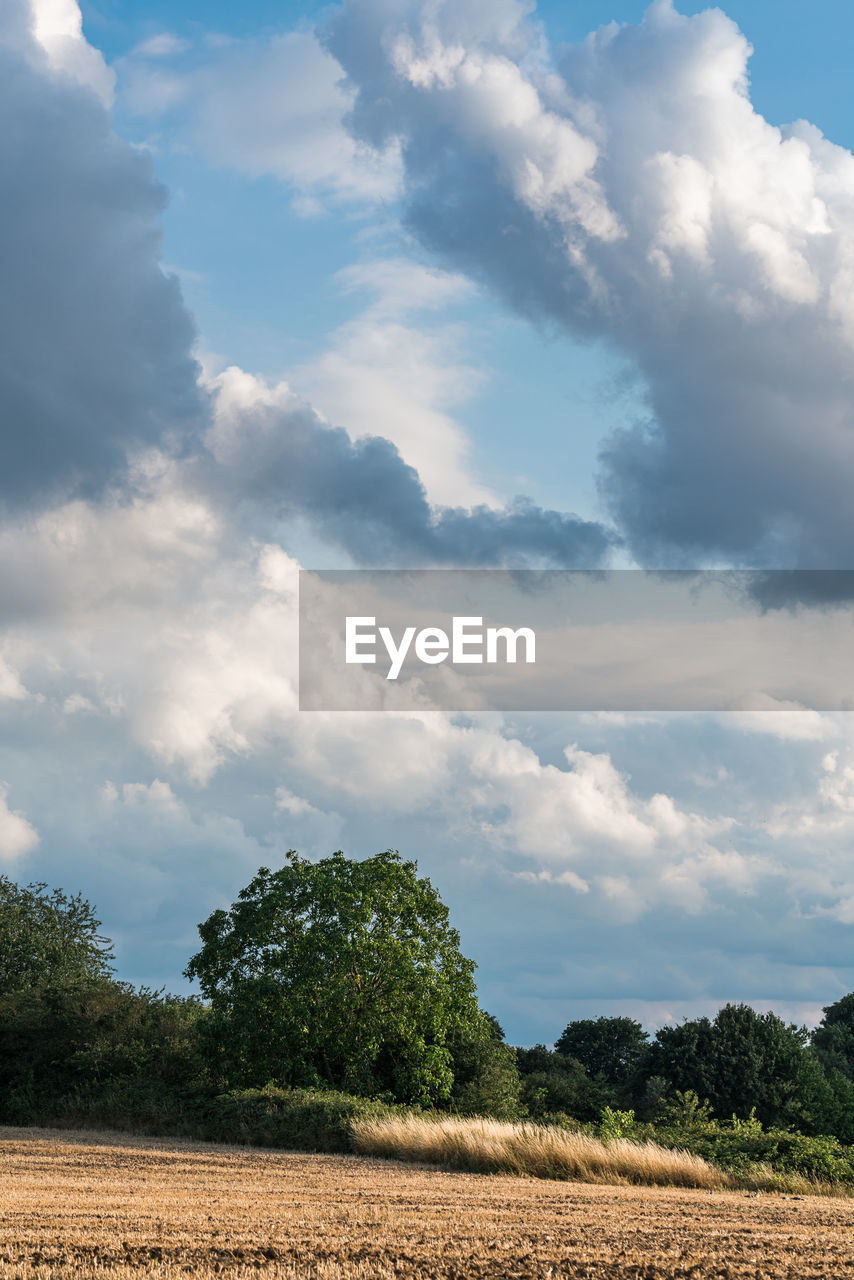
x: 109, y: 1206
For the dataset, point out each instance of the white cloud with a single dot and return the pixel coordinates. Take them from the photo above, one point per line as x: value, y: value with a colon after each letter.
x: 58, y: 27
x: 163, y: 45
x: 17, y: 835
x: 10, y: 683
x: 783, y: 720
x: 274, y: 108
x: 384, y: 375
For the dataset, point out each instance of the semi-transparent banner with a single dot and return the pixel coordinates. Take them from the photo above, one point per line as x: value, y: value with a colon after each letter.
x: 619, y: 640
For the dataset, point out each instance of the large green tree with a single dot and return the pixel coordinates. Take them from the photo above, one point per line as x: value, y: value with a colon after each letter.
x: 612, y: 1048
x: 340, y: 972
x: 48, y: 939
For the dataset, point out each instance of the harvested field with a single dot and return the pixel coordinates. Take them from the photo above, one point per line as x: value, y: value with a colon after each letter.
x: 97, y: 1205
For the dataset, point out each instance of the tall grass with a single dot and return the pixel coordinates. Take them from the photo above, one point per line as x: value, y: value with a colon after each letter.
x: 495, y: 1146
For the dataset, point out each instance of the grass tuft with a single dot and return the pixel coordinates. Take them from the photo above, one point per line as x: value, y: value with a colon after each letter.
x: 538, y: 1151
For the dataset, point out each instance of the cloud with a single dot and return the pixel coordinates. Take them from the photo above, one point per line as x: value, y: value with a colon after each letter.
x: 58, y: 27
x: 274, y: 451
x: 17, y: 835
x: 189, y: 765
x: 395, y: 372
x: 149, y: 641
x: 787, y: 721
x: 265, y: 108
x: 164, y: 45
x: 630, y: 192
x: 95, y: 340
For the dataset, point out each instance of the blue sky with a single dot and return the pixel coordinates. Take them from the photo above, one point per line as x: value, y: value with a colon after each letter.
x: 611, y: 275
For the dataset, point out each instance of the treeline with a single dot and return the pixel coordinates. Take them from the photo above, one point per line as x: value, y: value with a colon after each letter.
x: 744, y: 1064
x: 337, y: 989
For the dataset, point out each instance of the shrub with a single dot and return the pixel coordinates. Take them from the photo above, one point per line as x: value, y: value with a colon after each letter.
x: 295, y: 1119
x: 616, y: 1124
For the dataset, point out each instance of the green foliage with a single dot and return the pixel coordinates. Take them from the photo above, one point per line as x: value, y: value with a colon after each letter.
x: 54, y: 1042
x: 833, y: 1038
x: 338, y: 973
x: 552, y: 1083
x: 486, y: 1078
x: 616, y: 1124
x: 744, y: 1061
x: 343, y: 981
x: 749, y: 1128
x: 48, y: 939
x: 687, y: 1114
x: 612, y: 1048
x: 651, y: 1095
x: 297, y: 1119
x: 743, y: 1143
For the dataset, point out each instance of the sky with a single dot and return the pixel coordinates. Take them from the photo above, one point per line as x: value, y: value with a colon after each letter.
x: 412, y: 283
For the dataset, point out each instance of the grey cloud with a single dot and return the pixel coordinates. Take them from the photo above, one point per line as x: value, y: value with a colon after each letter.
x: 816, y: 588
x: 97, y: 357
x: 364, y: 497
x: 634, y: 195
x: 95, y: 342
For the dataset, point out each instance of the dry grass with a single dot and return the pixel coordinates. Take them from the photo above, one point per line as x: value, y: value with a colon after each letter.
x: 495, y: 1146
x: 109, y: 1207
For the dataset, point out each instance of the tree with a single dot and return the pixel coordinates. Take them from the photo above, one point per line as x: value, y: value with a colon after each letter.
x: 61, y: 1043
x: 744, y: 1060
x: 48, y: 939
x: 609, y: 1047
x: 554, y: 1082
x: 338, y: 973
x: 486, y: 1079
x: 833, y: 1038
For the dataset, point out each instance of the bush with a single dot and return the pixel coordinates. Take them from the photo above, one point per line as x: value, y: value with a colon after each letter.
x: 295, y: 1119
x: 57, y: 1042
x: 616, y: 1124
x: 486, y: 1078
x: 742, y: 1143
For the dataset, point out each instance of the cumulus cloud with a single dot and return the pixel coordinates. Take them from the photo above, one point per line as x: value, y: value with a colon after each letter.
x: 17, y: 835
x: 172, y: 663
x: 396, y: 372
x: 276, y: 451
x: 95, y: 340
x: 630, y: 191
x: 58, y: 27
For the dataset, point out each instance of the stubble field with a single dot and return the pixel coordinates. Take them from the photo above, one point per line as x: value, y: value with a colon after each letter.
x: 108, y: 1206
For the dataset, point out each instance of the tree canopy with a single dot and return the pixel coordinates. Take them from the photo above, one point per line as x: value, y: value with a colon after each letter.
x: 744, y: 1060
x: 48, y: 939
x: 833, y: 1038
x: 340, y: 972
x: 608, y: 1047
